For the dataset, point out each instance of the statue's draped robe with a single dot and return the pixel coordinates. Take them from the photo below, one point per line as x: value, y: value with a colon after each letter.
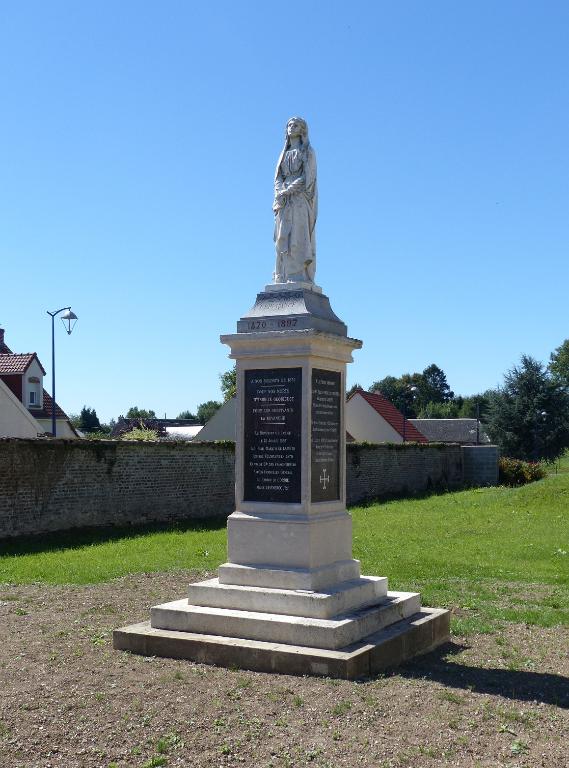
x: 295, y: 220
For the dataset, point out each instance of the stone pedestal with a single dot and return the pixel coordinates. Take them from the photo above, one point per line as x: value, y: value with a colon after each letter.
x: 290, y: 596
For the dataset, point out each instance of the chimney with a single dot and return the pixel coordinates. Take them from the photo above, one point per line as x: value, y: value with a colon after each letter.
x: 4, y: 350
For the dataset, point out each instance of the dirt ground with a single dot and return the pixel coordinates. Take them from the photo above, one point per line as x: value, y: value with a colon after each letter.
x: 67, y: 699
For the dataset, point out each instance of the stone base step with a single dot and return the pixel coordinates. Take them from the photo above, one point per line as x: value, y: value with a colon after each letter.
x: 341, y: 631
x: 289, y: 578
x: 417, y: 634
x: 323, y: 604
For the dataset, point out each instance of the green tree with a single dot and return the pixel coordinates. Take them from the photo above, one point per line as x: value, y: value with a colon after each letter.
x: 207, y: 409
x: 433, y: 386
x: 402, y: 392
x: 529, y: 415
x: 391, y: 388
x: 414, y: 392
x: 435, y: 410
x: 187, y: 415
x: 559, y: 364
x: 352, y: 389
x: 229, y: 383
x: 139, y: 413
x: 88, y: 420
x: 467, y: 406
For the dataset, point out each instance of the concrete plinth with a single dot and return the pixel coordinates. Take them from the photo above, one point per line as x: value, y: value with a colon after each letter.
x: 338, y: 632
x: 289, y: 578
x: 289, y: 541
x: 290, y: 602
x: 418, y: 634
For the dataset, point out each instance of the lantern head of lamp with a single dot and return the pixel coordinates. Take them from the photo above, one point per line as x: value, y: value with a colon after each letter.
x: 69, y: 319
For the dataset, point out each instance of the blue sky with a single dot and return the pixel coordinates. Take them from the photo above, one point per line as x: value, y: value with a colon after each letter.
x: 138, y: 144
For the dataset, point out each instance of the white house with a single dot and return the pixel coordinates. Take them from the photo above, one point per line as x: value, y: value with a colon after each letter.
x: 221, y: 426
x: 15, y: 419
x: 370, y: 417
x: 22, y: 376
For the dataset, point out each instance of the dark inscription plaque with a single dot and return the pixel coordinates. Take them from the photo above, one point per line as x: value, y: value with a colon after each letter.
x: 272, y: 435
x: 326, y: 393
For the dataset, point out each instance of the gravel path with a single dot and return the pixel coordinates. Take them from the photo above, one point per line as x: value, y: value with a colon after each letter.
x: 67, y: 699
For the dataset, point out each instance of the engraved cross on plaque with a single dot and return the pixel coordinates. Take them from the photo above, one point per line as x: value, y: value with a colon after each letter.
x: 324, y: 478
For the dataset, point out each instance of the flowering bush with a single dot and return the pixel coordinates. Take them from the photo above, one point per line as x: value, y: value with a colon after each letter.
x: 516, y: 472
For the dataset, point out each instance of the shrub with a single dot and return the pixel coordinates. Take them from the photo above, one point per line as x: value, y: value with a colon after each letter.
x: 97, y: 435
x: 140, y: 434
x: 517, y: 472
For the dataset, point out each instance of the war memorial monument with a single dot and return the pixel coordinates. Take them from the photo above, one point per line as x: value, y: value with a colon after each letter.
x: 290, y: 597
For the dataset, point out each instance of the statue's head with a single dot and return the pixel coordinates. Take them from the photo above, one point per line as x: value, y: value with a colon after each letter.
x: 297, y: 126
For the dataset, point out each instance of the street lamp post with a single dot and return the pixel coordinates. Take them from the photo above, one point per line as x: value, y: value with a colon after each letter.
x: 540, y: 417
x: 69, y: 319
x: 411, y: 391
x: 477, y: 422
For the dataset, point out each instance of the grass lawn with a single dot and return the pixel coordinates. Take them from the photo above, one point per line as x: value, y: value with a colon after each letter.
x: 492, y: 554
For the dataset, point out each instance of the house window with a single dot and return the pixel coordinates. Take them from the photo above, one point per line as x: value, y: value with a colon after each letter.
x: 34, y: 390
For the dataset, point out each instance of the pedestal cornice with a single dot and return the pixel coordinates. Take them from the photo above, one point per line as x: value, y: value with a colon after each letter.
x: 291, y: 343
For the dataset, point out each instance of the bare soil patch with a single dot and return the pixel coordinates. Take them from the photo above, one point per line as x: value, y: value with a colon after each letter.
x: 67, y: 699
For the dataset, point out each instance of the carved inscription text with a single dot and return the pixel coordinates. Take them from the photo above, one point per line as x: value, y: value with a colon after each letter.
x: 272, y: 458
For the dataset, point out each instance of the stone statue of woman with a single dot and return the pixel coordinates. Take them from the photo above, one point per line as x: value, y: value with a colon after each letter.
x: 295, y: 207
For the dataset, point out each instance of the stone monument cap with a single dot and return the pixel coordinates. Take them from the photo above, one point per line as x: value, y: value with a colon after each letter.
x: 294, y: 308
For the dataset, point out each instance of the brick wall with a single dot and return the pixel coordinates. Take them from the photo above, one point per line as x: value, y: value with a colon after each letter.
x: 57, y: 484
x: 389, y: 469
x: 480, y: 464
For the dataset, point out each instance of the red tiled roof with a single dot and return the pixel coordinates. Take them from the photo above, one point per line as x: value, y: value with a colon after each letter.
x: 15, y: 364
x: 392, y: 416
x: 47, y: 409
